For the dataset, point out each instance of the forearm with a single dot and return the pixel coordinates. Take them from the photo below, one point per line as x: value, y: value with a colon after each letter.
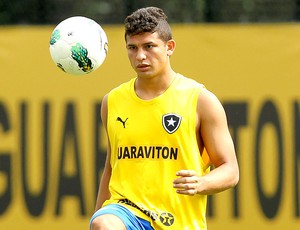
x: 103, y: 191
x: 219, y: 179
x: 101, y: 198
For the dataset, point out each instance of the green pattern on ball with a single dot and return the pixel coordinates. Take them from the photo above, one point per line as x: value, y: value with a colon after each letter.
x: 54, y: 37
x: 80, y: 55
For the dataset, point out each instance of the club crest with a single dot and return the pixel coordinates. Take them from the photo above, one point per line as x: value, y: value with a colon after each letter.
x: 171, y: 122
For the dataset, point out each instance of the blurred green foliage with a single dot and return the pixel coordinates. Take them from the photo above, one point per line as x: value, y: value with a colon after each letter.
x: 178, y: 11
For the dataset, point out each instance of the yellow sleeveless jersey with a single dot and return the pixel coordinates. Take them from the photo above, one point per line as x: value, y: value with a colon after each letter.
x: 150, y: 141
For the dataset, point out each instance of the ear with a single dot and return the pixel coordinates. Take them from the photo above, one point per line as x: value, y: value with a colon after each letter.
x: 170, y: 47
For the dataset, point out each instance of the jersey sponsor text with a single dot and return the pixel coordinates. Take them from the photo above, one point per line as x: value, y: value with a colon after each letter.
x: 149, y: 152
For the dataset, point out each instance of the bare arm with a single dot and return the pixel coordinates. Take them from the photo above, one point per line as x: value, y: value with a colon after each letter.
x: 103, y: 191
x: 215, y: 137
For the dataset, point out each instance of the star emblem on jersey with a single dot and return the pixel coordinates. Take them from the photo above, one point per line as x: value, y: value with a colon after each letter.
x: 166, y: 218
x: 171, y: 122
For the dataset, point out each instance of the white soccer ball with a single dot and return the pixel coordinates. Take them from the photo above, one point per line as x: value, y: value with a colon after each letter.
x: 78, y: 45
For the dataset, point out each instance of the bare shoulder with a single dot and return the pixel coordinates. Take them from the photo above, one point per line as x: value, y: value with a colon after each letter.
x: 104, y: 102
x: 209, y: 105
x: 104, y: 109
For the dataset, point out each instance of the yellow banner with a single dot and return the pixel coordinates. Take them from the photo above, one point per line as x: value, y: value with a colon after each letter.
x: 52, y: 144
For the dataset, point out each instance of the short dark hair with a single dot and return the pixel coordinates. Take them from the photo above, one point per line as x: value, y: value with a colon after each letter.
x: 149, y: 19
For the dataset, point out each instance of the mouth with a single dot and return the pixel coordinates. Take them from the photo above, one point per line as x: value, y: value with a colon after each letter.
x: 142, y: 67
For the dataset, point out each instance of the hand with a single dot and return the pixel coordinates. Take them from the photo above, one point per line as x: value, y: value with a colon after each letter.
x: 187, y: 183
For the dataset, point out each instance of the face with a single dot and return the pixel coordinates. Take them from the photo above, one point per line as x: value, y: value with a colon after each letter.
x: 148, y: 54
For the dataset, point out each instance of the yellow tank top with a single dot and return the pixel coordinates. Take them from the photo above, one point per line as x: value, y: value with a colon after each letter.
x: 150, y: 141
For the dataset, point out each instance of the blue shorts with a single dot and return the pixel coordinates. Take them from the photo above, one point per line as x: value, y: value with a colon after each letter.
x: 131, y: 221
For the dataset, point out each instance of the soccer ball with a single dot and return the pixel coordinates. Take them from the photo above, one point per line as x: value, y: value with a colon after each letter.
x: 78, y: 45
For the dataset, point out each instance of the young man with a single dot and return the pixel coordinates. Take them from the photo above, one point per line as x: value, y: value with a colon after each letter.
x: 164, y: 130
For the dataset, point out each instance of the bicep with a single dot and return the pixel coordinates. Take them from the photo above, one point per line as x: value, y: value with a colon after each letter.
x: 104, y: 112
x: 214, y: 130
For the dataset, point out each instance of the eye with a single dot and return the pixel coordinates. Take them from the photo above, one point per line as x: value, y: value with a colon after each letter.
x: 131, y: 47
x: 149, y: 46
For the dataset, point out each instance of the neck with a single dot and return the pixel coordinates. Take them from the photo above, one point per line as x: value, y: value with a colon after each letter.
x: 152, y: 87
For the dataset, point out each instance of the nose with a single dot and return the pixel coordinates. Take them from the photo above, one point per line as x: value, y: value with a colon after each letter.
x: 140, y: 56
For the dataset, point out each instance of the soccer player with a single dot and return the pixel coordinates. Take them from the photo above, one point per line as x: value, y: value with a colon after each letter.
x: 164, y: 132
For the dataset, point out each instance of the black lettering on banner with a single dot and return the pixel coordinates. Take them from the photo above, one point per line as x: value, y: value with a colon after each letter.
x: 70, y: 185
x: 269, y: 116
x: 99, y: 152
x: 35, y: 202
x: 296, y: 157
x: 237, y: 117
x: 5, y: 163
